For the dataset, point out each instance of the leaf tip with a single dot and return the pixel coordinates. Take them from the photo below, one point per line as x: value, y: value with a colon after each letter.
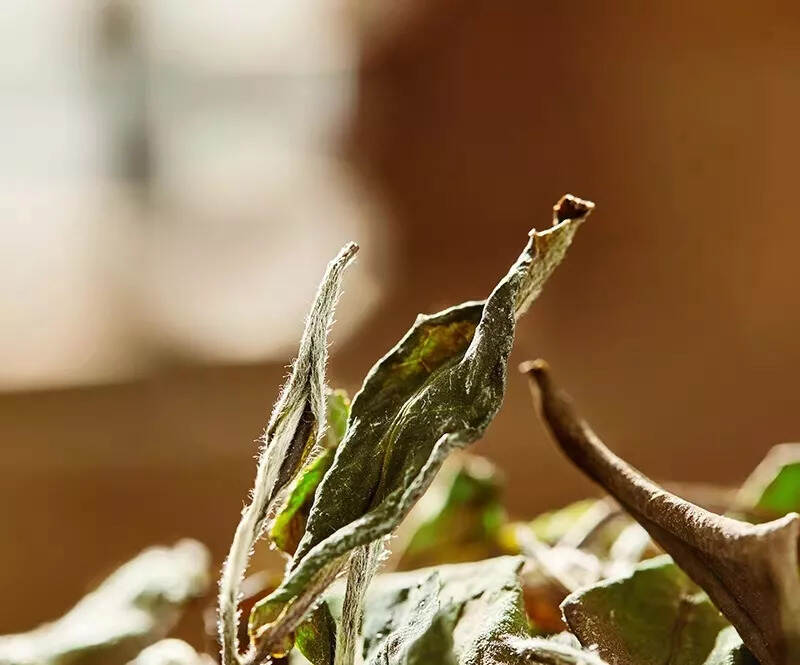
x: 538, y: 373
x: 347, y: 252
x: 571, y: 207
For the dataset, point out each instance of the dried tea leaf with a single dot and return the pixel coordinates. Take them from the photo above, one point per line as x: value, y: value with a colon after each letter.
x: 290, y: 522
x: 421, y: 631
x: 651, y: 616
x: 774, y: 487
x: 471, y: 609
x: 464, y: 614
x: 750, y: 572
x: 459, y: 518
x: 294, y: 431
x: 134, y: 607
x: 171, y: 652
x: 316, y: 636
x: 436, y: 391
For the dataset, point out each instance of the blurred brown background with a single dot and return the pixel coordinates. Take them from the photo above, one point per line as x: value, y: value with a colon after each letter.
x: 174, y: 179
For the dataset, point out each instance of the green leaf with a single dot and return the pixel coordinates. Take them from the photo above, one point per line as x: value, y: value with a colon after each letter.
x: 134, y: 607
x: 316, y: 636
x: 774, y: 487
x: 459, y: 518
x: 750, y: 572
x: 436, y: 391
x: 653, y: 616
x: 290, y: 522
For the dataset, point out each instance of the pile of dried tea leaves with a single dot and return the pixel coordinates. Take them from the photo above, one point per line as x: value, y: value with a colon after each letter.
x: 637, y: 577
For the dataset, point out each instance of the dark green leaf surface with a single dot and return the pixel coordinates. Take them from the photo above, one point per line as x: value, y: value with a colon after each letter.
x: 454, y: 613
x: 417, y: 628
x: 653, y: 616
x: 436, y: 391
x: 458, y: 614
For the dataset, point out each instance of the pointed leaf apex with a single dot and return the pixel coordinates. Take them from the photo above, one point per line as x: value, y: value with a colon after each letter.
x: 571, y: 207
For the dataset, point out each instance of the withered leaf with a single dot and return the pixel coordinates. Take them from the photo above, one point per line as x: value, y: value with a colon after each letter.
x: 418, y: 629
x: 749, y: 571
x: 134, y: 607
x: 434, y: 392
x: 458, y: 614
x: 471, y: 609
x: 652, y: 616
x: 293, y: 432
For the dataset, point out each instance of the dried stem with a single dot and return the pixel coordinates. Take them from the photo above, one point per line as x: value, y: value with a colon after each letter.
x: 749, y: 571
x: 363, y: 565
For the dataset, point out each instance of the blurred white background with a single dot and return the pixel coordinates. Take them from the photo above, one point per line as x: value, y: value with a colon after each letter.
x: 169, y: 183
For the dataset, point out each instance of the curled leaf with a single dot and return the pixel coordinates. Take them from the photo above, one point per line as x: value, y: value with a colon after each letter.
x: 294, y: 429
x: 750, y: 572
x: 134, y: 607
x: 434, y: 392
